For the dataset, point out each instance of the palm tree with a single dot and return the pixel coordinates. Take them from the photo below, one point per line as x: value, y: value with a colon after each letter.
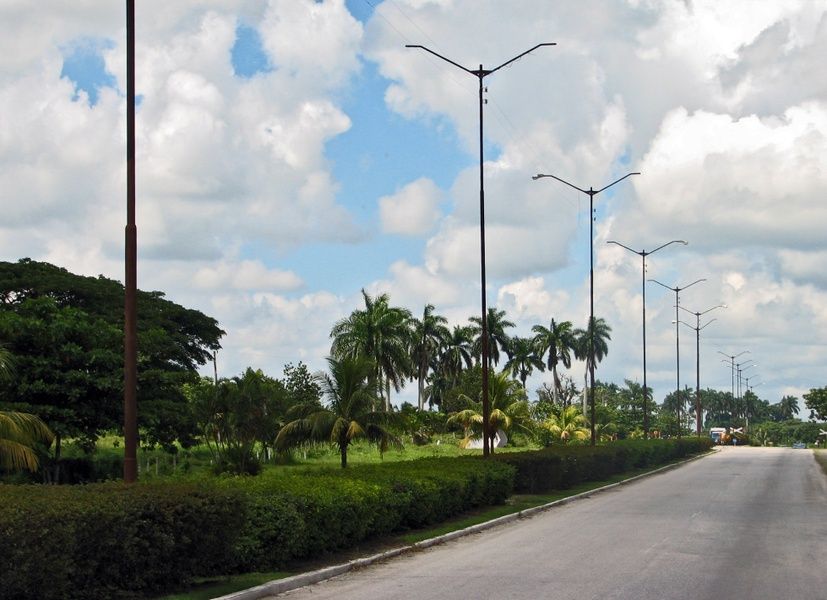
x: 457, y: 352
x: 569, y: 424
x: 559, y: 341
x: 428, y: 336
x: 523, y: 360
x: 600, y: 332
x: 509, y: 409
x: 496, y: 324
x: 351, y: 390
x: 788, y: 407
x: 381, y: 333
x: 19, y: 432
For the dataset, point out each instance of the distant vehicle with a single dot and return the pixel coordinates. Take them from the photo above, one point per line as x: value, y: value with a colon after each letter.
x: 717, y: 434
x: 799, y: 445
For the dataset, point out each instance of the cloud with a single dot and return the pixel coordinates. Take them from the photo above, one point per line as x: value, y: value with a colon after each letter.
x: 245, y: 275
x: 413, y: 210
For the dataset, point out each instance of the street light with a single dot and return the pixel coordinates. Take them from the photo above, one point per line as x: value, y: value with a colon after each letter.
x: 591, y: 193
x: 481, y: 74
x: 643, y: 254
x: 677, y: 290
x: 697, y: 329
x: 740, y: 370
x: 731, y: 362
x: 130, y: 387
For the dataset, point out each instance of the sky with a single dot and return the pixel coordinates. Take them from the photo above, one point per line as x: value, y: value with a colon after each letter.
x: 291, y: 153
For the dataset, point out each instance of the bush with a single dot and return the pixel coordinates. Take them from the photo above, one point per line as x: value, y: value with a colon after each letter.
x: 116, y: 541
x: 561, y: 467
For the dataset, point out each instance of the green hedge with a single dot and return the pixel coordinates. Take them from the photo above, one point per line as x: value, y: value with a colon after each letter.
x: 116, y: 541
x: 561, y: 467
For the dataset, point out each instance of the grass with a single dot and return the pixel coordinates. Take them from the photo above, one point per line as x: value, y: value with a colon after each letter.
x: 212, y: 588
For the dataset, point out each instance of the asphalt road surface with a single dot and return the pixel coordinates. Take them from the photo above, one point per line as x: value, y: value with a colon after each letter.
x: 744, y: 523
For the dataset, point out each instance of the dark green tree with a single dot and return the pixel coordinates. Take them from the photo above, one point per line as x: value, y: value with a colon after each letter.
x: 496, y: 324
x: 427, y: 337
x: 816, y: 401
x: 523, y: 359
x: 65, y: 332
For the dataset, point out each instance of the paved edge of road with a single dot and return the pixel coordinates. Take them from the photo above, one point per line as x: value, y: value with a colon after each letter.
x: 280, y: 586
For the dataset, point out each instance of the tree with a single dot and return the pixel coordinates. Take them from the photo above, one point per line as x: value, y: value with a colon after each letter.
x: 427, y: 337
x: 457, y: 352
x: 498, y: 339
x: 788, y: 407
x: 351, y: 390
x: 380, y: 333
x: 597, y: 333
x: 238, y: 416
x: 566, y: 425
x: 66, y: 334
x: 559, y: 341
x: 816, y: 401
x: 522, y: 359
x: 20, y: 433
x: 302, y: 388
x: 509, y: 409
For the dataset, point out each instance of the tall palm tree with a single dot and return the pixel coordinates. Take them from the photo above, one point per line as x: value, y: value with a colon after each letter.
x: 601, y: 332
x: 457, y: 352
x: 351, y: 390
x: 498, y: 339
x: 427, y: 337
x: 788, y: 407
x: 380, y: 332
x: 559, y: 341
x: 19, y: 432
x: 523, y: 359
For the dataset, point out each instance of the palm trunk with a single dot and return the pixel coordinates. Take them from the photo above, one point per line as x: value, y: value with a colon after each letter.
x: 556, y: 388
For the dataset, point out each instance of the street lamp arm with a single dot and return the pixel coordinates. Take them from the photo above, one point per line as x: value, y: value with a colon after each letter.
x: 663, y: 285
x: 667, y: 244
x: 639, y: 253
x: 693, y: 283
x: 448, y: 60
x: 713, y: 308
x: 616, y: 181
x: 541, y: 175
x: 707, y: 323
x: 519, y: 56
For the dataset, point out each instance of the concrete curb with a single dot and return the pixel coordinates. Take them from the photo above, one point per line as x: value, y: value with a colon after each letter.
x: 279, y: 586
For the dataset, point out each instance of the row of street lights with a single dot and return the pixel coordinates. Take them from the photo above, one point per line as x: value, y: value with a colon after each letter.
x: 480, y: 74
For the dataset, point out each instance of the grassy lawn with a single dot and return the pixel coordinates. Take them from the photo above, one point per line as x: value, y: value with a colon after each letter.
x: 211, y: 588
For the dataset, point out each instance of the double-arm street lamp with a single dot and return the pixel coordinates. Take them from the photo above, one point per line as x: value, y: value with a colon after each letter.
x: 643, y: 254
x: 697, y: 328
x: 481, y: 74
x: 677, y: 290
x: 591, y: 193
x: 740, y: 370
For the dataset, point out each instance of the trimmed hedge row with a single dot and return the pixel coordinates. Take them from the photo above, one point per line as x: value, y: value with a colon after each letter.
x: 113, y: 541
x: 561, y: 467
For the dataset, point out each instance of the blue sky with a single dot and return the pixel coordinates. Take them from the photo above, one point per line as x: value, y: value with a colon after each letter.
x: 270, y: 195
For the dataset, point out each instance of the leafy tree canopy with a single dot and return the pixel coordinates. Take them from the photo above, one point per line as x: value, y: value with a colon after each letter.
x: 65, y: 332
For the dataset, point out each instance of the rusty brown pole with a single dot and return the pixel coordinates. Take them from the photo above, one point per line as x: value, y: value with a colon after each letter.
x: 130, y: 403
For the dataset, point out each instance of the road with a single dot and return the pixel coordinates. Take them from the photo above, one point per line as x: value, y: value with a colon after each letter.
x: 742, y: 523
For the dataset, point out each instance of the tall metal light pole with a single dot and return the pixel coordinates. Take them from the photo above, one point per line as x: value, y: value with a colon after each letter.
x: 591, y: 193
x: 643, y: 254
x: 740, y: 370
x: 130, y: 402
x: 697, y: 328
x: 731, y: 361
x: 481, y: 74
x: 677, y: 291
